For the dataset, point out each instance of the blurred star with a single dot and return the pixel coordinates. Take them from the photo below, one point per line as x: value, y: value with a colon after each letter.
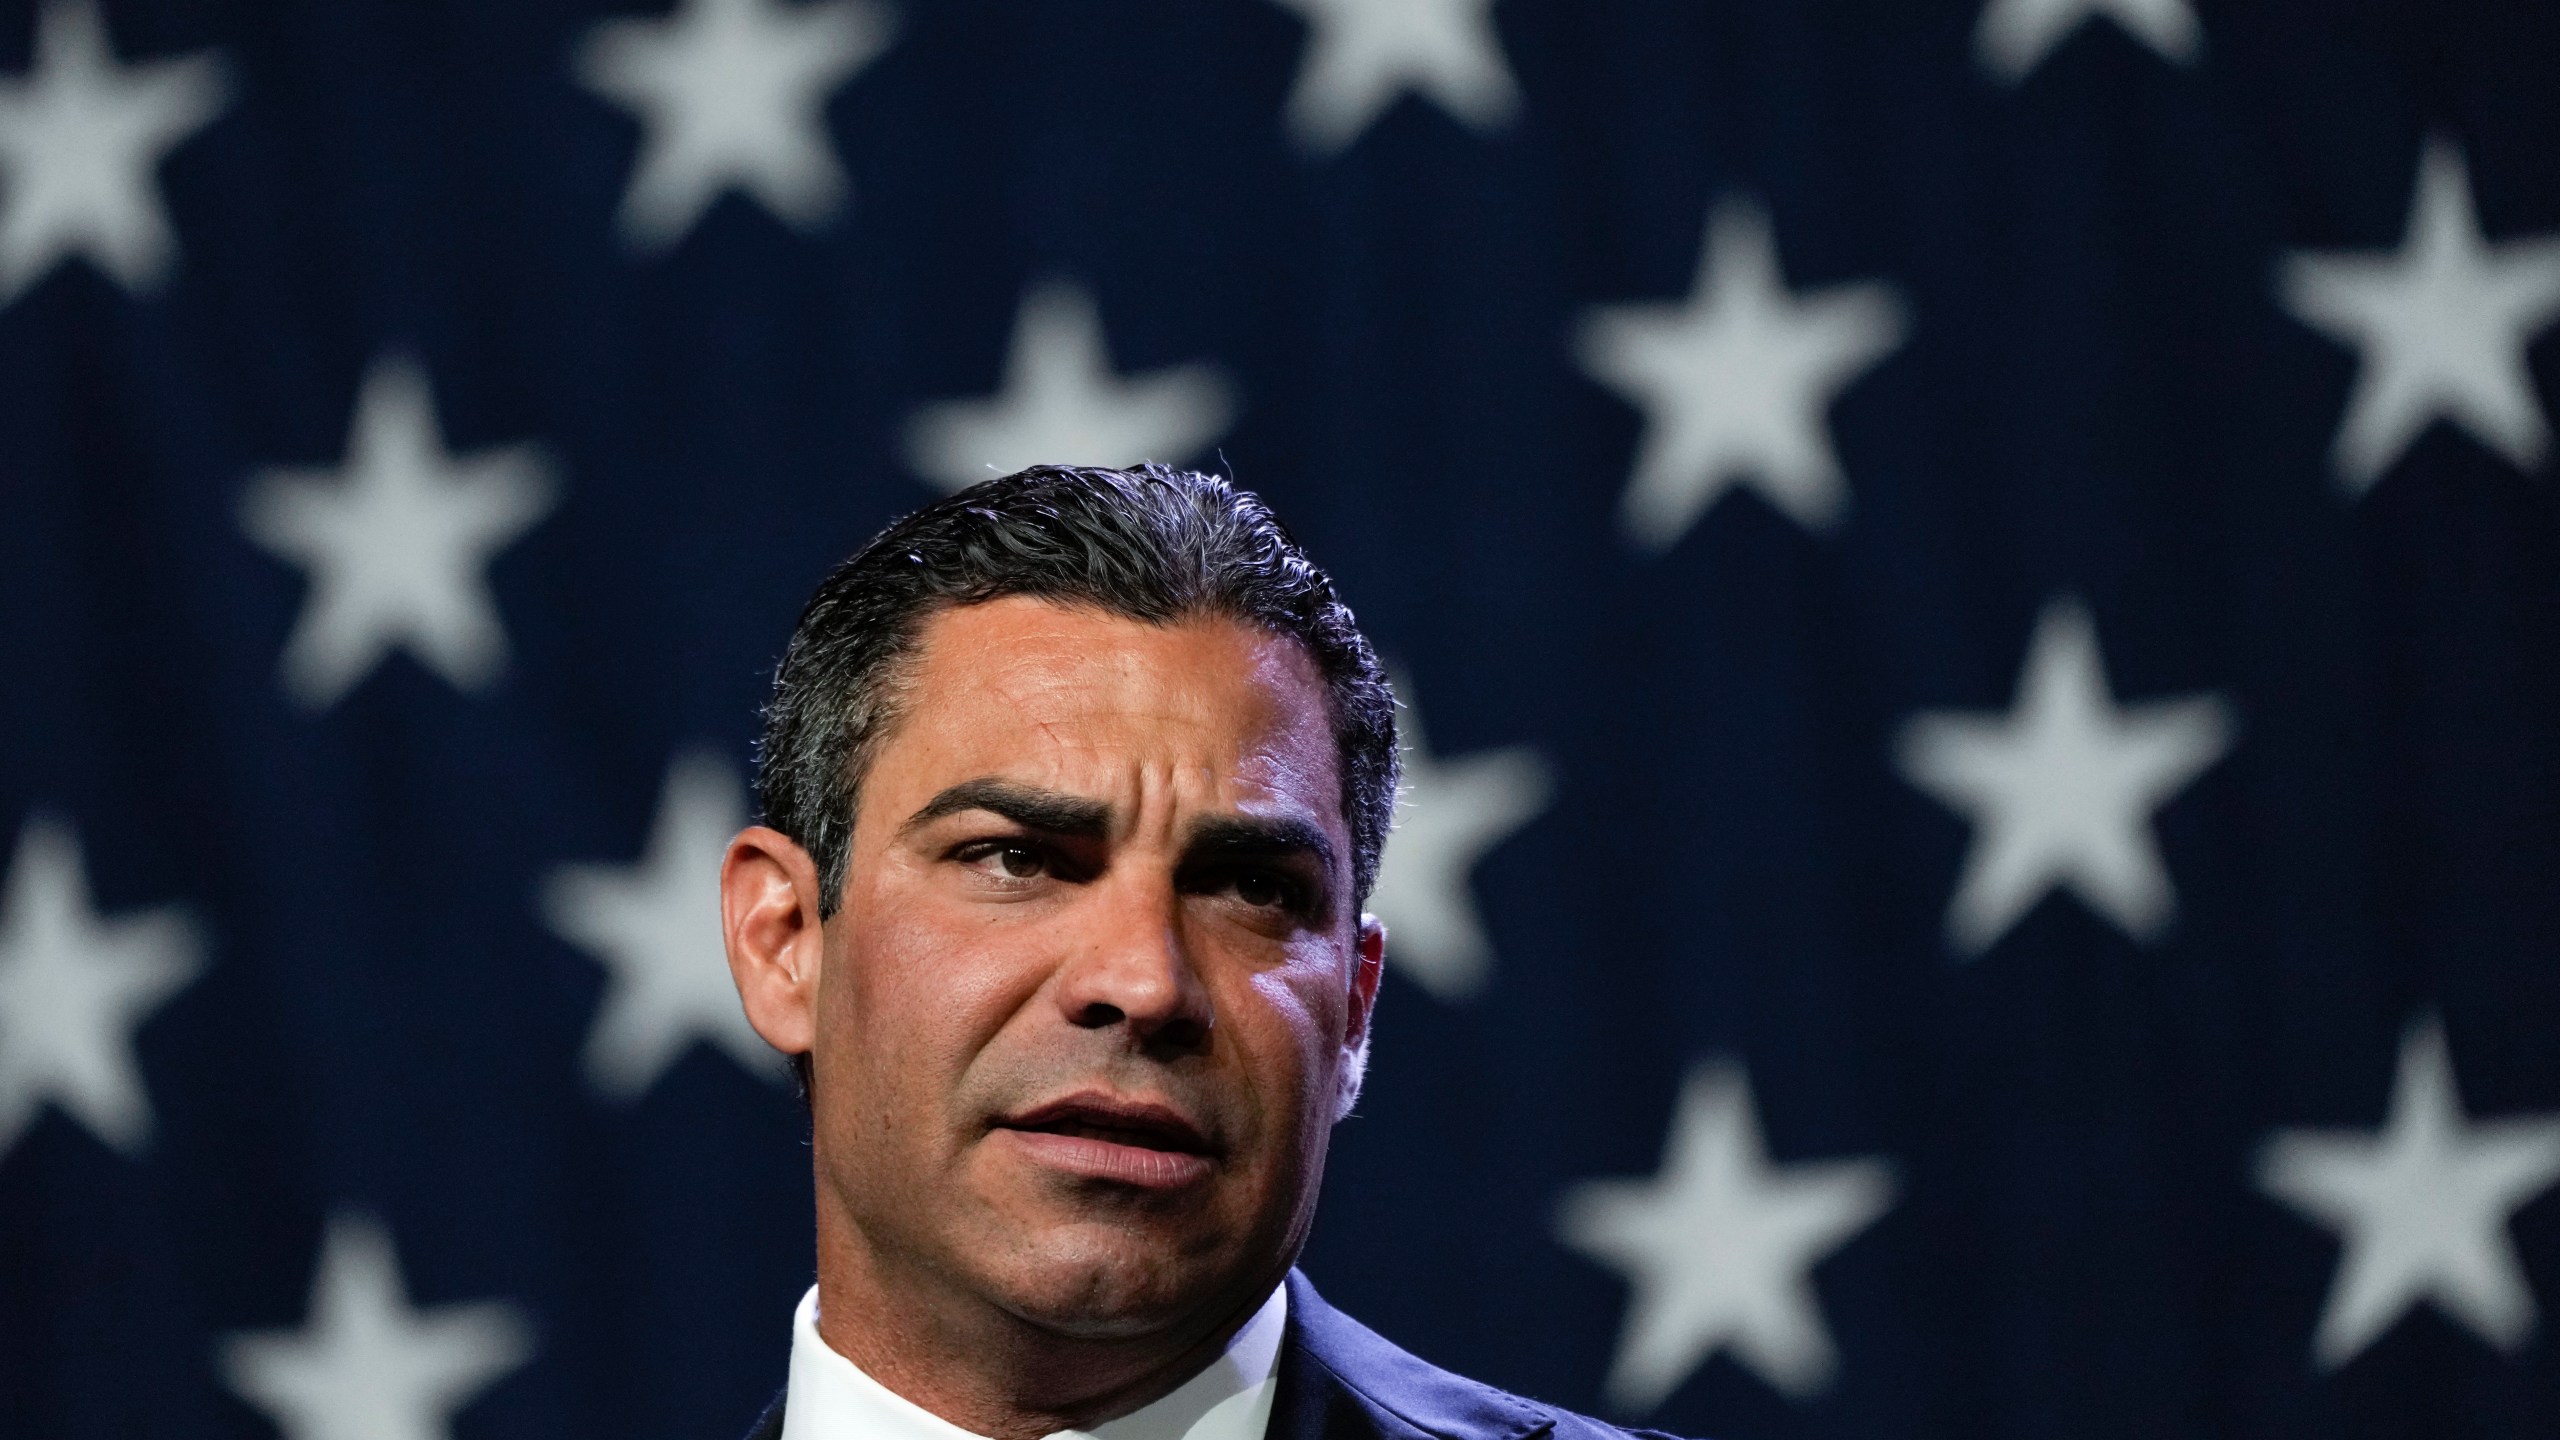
x: 1719, y: 1247
x: 73, y: 988
x: 2442, y: 328
x: 364, y: 1365
x: 1362, y: 54
x: 1735, y: 382
x: 1452, y: 810
x: 733, y: 96
x: 1062, y: 404
x: 2014, y: 36
x: 2061, y: 790
x: 656, y: 927
x: 2421, y: 1206
x: 397, y: 542
x: 81, y: 141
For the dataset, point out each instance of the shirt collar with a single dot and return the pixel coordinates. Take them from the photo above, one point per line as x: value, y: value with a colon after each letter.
x: 830, y: 1398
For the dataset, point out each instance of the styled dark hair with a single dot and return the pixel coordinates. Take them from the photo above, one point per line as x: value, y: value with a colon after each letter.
x: 1150, y: 543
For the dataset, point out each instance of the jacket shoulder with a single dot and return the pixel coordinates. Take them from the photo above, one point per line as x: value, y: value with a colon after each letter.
x: 1392, y: 1394
x: 768, y: 1425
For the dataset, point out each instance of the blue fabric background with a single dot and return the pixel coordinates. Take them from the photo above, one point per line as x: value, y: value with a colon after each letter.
x: 2099, y: 395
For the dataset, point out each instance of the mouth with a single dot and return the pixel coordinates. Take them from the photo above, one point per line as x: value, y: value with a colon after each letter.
x: 1109, y: 1138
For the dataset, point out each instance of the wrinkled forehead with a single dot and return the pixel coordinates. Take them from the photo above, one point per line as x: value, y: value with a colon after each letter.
x: 1223, y: 713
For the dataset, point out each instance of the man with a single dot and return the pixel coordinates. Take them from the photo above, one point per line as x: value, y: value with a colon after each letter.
x: 1074, y: 785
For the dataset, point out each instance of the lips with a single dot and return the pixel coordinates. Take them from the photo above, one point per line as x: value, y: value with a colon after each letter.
x: 1115, y: 1139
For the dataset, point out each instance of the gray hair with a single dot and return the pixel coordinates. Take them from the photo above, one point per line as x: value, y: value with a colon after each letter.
x: 1150, y: 543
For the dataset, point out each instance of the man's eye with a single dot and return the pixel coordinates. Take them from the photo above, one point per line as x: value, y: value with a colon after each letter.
x: 1013, y: 862
x: 1261, y: 889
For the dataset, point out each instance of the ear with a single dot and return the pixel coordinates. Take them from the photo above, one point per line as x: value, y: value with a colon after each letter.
x: 1369, y: 962
x: 769, y: 920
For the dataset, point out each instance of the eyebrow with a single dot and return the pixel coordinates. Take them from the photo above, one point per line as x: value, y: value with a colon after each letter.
x: 1249, y: 837
x: 1212, y: 837
x: 1028, y: 806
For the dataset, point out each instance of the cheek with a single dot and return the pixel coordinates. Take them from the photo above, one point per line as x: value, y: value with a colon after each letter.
x: 924, y: 993
x: 1299, y: 1009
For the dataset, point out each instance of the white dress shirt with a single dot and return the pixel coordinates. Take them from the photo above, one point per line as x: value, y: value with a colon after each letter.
x: 831, y: 1399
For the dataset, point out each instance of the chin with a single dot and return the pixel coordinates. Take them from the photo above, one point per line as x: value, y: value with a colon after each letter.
x: 1102, y: 1282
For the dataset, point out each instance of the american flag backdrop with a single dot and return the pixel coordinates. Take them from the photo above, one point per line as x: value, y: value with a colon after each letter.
x: 1976, y: 586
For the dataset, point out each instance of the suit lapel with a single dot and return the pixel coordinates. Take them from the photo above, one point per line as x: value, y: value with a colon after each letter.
x: 1339, y: 1380
x: 768, y: 1425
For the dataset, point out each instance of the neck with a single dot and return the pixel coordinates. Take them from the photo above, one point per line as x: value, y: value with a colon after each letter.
x: 992, y: 1371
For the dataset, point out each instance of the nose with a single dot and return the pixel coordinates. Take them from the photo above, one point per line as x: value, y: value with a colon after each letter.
x: 1135, y: 970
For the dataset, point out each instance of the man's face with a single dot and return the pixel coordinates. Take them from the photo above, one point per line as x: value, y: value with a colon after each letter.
x: 1087, y: 1007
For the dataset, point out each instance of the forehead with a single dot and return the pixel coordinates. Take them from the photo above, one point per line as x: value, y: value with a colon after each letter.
x: 1074, y: 697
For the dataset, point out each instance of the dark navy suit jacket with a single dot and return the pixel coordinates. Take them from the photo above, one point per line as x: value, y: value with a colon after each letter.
x: 1339, y: 1380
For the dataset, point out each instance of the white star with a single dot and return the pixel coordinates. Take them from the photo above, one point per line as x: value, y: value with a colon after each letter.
x: 73, y: 987
x: 1450, y: 812
x: 81, y: 140
x: 2442, y: 327
x: 2061, y: 790
x: 2014, y: 36
x: 2421, y: 1206
x: 1362, y: 54
x: 656, y: 927
x: 733, y: 94
x: 365, y: 1366
x: 1735, y: 381
x: 1719, y: 1246
x: 397, y: 542
x: 1063, y: 405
